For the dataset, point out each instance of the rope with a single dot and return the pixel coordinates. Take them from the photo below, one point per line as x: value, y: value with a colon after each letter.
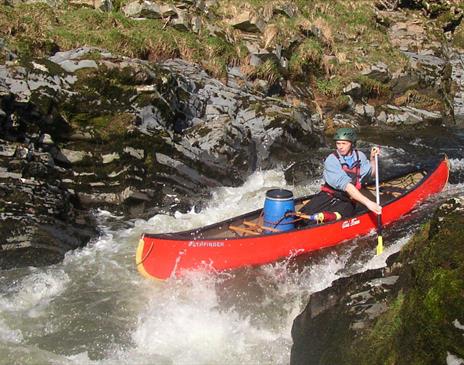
x: 146, y: 255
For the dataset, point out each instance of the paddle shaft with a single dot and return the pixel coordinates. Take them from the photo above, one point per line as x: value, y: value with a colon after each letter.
x: 379, y: 216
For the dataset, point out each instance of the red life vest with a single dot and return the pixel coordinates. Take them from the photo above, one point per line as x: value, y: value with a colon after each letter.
x: 354, y: 173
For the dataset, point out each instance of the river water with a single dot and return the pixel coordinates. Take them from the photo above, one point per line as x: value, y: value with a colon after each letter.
x: 94, y: 308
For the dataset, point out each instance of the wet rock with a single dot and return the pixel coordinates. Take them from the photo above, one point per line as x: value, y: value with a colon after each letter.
x: 403, y: 81
x: 110, y: 157
x: 73, y: 66
x: 365, y: 110
x: 125, y: 134
x: 182, y: 21
x: 408, y: 35
x: 231, y: 115
x: 337, y: 313
x: 431, y: 65
x: 288, y: 9
x: 40, y: 219
x: 105, y: 5
x: 168, y: 10
x: 72, y: 157
x: 137, y: 153
x: 196, y: 24
x: 408, y: 116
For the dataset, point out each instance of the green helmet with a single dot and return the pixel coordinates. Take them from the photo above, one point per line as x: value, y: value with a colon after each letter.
x: 345, y: 134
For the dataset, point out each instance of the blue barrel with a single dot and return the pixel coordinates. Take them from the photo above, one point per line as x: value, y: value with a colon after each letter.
x: 278, y: 202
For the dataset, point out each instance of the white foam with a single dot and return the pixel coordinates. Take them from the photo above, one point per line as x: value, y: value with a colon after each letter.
x: 226, y: 202
x: 185, y: 323
x: 378, y: 261
x: 185, y: 320
x: 453, y: 360
x: 33, y: 293
x: 9, y: 335
x: 456, y: 164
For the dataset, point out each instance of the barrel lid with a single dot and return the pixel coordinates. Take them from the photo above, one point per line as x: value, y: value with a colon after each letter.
x: 279, y: 194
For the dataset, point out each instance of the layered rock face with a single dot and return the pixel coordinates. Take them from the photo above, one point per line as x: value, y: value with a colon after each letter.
x: 85, y: 129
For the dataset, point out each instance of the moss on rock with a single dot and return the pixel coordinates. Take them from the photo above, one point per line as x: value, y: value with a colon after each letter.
x: 458, y: 36
x: 419, y: 327
x: 416, y: 320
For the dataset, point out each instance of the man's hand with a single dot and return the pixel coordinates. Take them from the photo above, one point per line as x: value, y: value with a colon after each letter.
x: 358, y: 196
x: 375, y: 151
x: 374, y: 207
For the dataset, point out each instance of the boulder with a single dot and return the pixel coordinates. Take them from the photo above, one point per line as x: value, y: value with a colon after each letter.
x: 378, y: 72
x: 248, y: 22
x: 145, y: 9
x: 409, y: 116
x: 353, y: 89
x: 105, y: 5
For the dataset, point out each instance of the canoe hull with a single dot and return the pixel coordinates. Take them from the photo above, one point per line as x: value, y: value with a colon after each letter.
x: 164, y: 255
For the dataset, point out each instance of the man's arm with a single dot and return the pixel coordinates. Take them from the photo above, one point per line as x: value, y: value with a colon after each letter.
x: 358, y: 196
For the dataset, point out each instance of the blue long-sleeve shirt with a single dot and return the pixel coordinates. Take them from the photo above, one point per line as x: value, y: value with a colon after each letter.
x: 333, y: 171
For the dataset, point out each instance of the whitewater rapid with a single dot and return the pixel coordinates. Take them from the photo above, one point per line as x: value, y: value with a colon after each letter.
x: 94, y: 308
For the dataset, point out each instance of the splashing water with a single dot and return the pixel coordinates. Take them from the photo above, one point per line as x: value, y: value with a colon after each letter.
x: 94, y: 308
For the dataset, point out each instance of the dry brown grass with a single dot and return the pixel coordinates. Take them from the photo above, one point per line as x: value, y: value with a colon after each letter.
x: 326, y: 34
x: 270, y: 35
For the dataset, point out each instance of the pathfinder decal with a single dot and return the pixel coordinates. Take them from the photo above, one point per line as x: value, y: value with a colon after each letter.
x: 350, y: 223
x: 197, y: 244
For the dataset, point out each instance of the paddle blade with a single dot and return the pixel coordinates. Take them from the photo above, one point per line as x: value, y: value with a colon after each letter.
x: 379, y: 245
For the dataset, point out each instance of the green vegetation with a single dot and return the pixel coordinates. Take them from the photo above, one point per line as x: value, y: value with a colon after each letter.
x: 38, y: 30
x: 418, y: 327
x: 419, y: 100
x: 318, y: 29
x: 268, y: 70
x: 381, y: 339
x: 372, y: 87
x: 458, y: 39
x: 106, y: 127
x: 306, y: 58
x: 330, y: 87
x: 436, y: 299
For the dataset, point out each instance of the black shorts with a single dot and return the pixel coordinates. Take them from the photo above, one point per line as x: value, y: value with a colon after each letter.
x: 326, y: 202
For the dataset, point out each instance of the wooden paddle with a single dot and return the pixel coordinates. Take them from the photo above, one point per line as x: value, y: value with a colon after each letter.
x: 379, y: 216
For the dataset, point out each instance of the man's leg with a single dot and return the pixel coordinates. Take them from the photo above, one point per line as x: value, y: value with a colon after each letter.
x: 326, y: 208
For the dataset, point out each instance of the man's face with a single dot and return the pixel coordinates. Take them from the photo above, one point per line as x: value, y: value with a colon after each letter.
x: 343, y: 147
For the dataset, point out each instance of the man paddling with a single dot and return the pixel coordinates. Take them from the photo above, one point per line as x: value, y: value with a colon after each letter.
x: 344, y: 171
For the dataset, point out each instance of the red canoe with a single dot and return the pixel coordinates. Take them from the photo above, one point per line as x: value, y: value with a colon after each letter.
x: 243, y: 240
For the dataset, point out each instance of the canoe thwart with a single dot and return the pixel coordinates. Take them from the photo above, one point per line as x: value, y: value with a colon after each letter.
x: 260, y: 227
x: 243, y: 230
